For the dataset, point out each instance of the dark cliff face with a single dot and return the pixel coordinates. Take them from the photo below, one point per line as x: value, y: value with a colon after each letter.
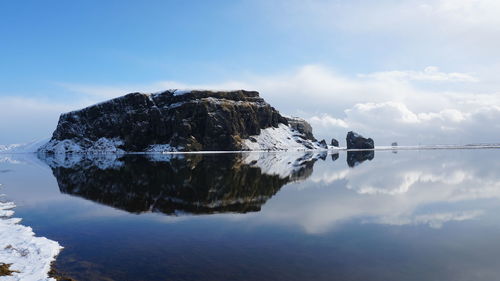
x: 195, y: 120
x: 196, y: 184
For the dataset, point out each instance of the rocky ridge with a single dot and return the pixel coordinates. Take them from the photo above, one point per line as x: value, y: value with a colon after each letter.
x: 176, y: 120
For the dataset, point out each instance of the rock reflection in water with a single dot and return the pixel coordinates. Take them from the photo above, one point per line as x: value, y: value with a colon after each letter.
x: 180, y: 183
x: 355, y: 158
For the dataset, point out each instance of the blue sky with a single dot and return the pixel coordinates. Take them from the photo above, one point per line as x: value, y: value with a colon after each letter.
x: 111, y: 42
x: 423, y: 69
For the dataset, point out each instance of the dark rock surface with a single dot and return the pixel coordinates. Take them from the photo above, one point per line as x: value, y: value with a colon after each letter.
x: 335, y: 143
x: 190, y: 121
x: 356, y: 141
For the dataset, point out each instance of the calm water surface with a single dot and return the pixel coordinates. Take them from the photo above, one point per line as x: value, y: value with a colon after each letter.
x: 410, y: 215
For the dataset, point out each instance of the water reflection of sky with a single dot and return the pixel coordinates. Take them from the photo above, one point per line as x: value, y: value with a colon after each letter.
x: 412, y: 187
x: 408, y: 216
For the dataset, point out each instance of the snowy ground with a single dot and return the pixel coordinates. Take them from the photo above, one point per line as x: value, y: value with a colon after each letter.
x: 281, y: 138
x: 30, y: 256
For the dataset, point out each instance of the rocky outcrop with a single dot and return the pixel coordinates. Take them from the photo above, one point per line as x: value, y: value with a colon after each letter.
x: 335, y: 143
x: 180, y: 121
x: 356, y: 141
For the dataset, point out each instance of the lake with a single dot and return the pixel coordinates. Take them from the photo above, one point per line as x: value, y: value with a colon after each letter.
x: 383, y: 215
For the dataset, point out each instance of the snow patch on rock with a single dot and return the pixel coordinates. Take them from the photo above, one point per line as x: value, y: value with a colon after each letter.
x: 102, y: 145
x: 30, y: 256
x: 281, y: 138
x: 178, y: 92
x: 60, y: 147
x: 163, y: 148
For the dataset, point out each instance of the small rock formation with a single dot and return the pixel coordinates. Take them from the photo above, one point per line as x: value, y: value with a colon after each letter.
x: 394, y: 144
x: 180, y: 121
x: 335, y: 143
x: 356, y: 141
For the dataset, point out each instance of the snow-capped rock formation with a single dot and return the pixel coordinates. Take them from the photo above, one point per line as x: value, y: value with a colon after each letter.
x: 180, y: 121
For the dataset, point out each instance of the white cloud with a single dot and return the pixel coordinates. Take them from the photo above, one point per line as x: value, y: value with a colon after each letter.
x: 430, y: 73
x: 435, y: 220
x: 396, y: 34
x: 390, y: 15
x: 326, y: 120
x: 383, y: 105
x: 393, y: 121
x: 471, y: 13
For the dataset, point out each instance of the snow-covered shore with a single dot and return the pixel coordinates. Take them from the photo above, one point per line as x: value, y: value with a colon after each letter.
x: 29, y: 256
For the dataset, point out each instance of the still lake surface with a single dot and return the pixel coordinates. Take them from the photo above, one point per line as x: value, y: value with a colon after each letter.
x: 410, y: 215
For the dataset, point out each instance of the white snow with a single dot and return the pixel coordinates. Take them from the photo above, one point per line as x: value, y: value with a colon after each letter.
x: 281, y: 138
x: 31, y: 256
x: 60, y: 147
x: 102, y: 145
x: 163, y: 148
x: 294, y: 118
x: 106, y: 145
x: 181, y: 92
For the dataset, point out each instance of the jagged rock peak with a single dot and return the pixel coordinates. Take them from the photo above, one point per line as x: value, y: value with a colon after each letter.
x: 175, y: 120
